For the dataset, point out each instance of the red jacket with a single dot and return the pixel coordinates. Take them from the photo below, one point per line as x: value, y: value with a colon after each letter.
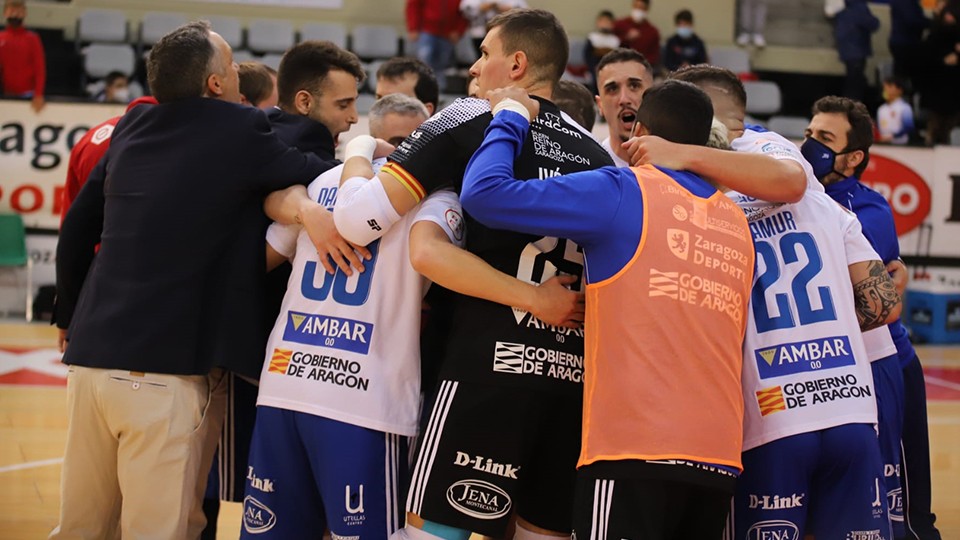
x: 87, y: 153
x: 23, y: 68
x: 647, y: 44
x: 436, y: 17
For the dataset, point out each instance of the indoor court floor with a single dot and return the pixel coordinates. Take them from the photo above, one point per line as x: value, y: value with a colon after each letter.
x: 33, y: 428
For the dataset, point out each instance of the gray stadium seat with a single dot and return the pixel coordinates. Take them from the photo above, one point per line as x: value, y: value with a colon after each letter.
x: 243, y: 55
x: 465, y: 53
x: 763, y: 97
x: 229, y: 29
x: 374, y: 41
x: 270, y: 36
x: 955, y: 136
x: 735, y: 59
x: 99, y: 59
x: 157, y: 24
x: 102, y: 25
x: 791, y: 127
x: 335, y: 33
x: 272, y: 60
x: 577, y: 45
x: 365, y: 102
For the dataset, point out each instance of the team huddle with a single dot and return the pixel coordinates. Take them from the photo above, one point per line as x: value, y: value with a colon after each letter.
x: 718, y: 377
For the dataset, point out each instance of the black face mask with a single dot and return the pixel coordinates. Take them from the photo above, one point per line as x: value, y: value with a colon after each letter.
x: 14, y: 21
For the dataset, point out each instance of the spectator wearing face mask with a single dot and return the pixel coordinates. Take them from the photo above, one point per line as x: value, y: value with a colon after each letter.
x: 685, y: 48
x: 637, y: 33
x: 116, y: 88
x: 23, y: 70
x: 599, y: 42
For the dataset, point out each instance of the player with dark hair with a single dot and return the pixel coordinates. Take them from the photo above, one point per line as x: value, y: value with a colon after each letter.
x: 409, y: 76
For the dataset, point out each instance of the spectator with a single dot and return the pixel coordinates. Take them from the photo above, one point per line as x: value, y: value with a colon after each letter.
x: 411, y: 77
x: 907, y: 24
x: 637, y: 33
x: 479, y: 12
x: 23, y: 70
x: 574, y: 99
x: 895, y: 117
x: 394, y: 117
x: 852, y: 28
x: 753, y: 22
x: 258, y: 85
x: 435, y: 27
x: 116, y: 88
x: 939, y: 60
x: 599, y: 42
x: 685, y: 48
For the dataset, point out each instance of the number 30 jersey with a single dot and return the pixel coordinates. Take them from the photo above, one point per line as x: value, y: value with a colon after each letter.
x: 348, y: 348
x: 805, y: 367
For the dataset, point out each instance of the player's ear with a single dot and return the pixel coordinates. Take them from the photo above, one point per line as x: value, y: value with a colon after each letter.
x: 519, y: 66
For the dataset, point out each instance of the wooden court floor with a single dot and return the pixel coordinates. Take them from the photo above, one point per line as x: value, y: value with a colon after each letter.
x: 33, y: 430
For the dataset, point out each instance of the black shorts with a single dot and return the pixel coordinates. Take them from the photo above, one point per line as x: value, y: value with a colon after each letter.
x: 648, y: 509
x: 489, y: 451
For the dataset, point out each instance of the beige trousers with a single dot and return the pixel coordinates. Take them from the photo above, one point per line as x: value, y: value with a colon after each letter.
x: 139, y: 448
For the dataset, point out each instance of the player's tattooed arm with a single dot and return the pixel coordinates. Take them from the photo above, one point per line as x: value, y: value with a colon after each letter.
x: 876, y: 299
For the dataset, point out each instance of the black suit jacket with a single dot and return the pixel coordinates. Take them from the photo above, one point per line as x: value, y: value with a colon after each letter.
x: 166, y: 203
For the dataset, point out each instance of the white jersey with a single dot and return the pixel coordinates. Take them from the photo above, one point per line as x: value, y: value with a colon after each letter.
x: 348, y: 348
x: 805, y: 367
x: 892, y: 118
x: 616, y: 159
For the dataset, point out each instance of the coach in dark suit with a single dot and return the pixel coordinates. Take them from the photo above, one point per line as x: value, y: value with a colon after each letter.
x: 160, y: 310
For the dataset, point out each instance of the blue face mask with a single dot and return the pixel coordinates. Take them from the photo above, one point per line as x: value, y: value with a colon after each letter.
x: 820, y: 157
x: 685, y: 32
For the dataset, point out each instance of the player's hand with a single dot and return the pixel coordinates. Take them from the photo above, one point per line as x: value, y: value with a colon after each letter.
x: 384, y: 149
x: 517, y: 94
x: 318, y: 221
x: 558, y: 305
x: 652, y: 150
x: 899, y: 274
x: 62, y: 339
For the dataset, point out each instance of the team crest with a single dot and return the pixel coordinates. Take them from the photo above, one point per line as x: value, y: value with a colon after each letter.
x: 679, y: 242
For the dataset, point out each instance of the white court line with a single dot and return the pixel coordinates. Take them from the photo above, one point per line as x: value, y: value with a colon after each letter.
x: 31, y: 465
x: 942, y: 382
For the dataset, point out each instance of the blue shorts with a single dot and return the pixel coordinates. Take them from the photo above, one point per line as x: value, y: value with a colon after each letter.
x: 888, y: 383
x: 827, y: 483
x: 308, y: 473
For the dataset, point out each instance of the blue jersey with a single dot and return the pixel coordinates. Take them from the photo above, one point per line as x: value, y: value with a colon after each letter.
x: 876, y: 218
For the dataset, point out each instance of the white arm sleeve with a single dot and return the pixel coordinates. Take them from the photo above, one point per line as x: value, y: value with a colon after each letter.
x: 363, y: 211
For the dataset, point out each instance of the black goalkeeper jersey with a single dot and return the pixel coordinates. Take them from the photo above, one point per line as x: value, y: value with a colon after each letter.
x: 489, y: 342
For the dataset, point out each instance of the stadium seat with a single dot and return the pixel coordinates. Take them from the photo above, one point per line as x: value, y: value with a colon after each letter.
x: 364, y: 103
x: 374, y: 41
x: 13, y: 256
x: 763, y: 97
x: 577, y: 46
x: 242, y: 55
x: 272, y: 60
x: 735, y: 59
x: 157, y: 24
x: 465, y: 53
x: 791, y: 127
x: 332, y: 32
x: 955, y: 136
x: 99, y: 59
x: 270, y: 36
x: 229, y: 29
x: 102, y: 25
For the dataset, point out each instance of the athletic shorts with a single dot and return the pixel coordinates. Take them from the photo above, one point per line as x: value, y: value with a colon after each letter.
x: 308, y: 473
x: 488, y: 451
x: 888, y: 384
x: 826, y: 483
x: 648, y: 509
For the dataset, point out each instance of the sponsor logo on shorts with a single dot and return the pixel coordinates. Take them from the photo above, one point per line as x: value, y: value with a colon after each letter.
x: 804, y: 356
x: 776, y: 502
x: 319, y: 367
x: 520, y: 359
x: 864, y: 535
x: 257, y: 518
x: 353, y: 504
x: 479, y: 499
x: 487, y: 465
x: 895, y: 504
x: 262, y: 484
x: 814, y: 392
x: 773, y: 529
x: 332, y: 332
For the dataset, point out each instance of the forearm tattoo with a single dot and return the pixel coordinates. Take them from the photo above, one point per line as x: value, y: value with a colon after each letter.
x: 875, y: 297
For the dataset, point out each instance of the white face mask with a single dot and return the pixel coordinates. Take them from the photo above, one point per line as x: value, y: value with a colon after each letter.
x: 638, y: 15
x: 121, y: 95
